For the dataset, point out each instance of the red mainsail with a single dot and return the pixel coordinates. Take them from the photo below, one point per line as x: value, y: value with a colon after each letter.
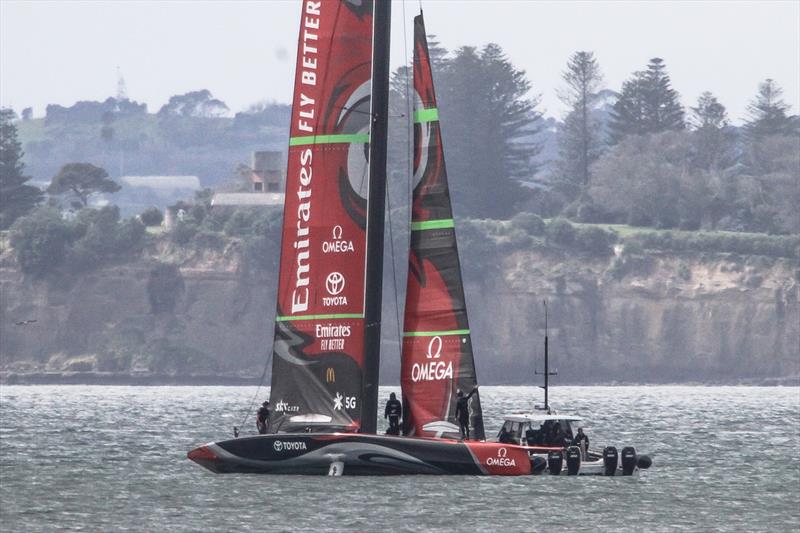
x: 437, y: 358
x: 318, y: 352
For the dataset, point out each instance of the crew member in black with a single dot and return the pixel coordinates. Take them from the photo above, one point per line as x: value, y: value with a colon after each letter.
x: 582, y: 442
x: 462, y: 411
x: 559, y: 437
x: 393, y: 411
x: 531, y: 436
x: 262, y: 418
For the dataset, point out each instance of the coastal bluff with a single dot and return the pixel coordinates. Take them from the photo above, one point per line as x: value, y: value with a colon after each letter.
x: 206, y: 317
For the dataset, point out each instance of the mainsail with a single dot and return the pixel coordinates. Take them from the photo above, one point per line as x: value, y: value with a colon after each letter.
x: 437, y: 356
x: 319, y: 356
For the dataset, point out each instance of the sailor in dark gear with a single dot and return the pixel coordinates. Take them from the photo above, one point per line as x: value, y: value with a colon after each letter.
x: 262, y: 418
x: 393, y: 411
x: 462, y: 411
x: 546, y: 433
x: 582, y: 442
x: 531, y: 437
x: 559, y: 438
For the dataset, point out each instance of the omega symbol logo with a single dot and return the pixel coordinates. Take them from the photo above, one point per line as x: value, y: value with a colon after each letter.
x: 334, y: 283
x: 337, y: 232
x: 434, y: 348
x: 502, y: 453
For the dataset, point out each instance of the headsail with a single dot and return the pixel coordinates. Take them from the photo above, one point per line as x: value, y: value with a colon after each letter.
x: 318, y: 352
x: 437, y: 350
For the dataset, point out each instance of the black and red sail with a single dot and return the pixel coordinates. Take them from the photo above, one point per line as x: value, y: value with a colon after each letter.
x: 437, y: 358
x: 318, y: 352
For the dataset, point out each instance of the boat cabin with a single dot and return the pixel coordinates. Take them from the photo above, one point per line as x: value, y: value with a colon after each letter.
x: 536, y: 429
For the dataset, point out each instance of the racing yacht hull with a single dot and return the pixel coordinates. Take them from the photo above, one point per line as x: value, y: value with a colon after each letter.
x: 360, y: 454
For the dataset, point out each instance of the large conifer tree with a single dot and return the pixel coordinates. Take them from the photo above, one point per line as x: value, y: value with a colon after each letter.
x: 713, y: 139
x: 647, y: 104
x: 579, y: 140
x: 767, y: 112
x: 16, y: 197
x: 488, y: 125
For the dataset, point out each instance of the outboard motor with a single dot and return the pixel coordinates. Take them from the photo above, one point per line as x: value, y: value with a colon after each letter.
x: 573, y: 460
x: 629, y: 460
x: 555, y: 461
x: 644, y: 462
x: 610, y: 460
x: 538, y: 464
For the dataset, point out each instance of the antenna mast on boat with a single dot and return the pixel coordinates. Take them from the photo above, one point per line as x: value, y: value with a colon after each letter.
x: 375, y: 213
x: 546, y: 372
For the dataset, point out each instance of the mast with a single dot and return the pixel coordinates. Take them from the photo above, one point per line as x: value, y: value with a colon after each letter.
x: 375, y: 213
x: 547, y: 372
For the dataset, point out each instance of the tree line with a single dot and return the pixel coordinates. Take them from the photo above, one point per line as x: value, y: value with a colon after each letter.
x: 643, y: 160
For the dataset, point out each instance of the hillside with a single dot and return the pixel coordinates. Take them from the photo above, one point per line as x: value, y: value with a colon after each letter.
x: 637, y: 314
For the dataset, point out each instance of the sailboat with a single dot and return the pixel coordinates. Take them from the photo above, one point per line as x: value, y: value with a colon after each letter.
x: 326, y: 350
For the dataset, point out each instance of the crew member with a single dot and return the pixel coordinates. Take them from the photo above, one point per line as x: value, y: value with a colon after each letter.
x: 262, y: 418
x: 393, y: 411
x: 531, y: 436
x: 462, y: 411
x: 582, y: 442
x: 559, y: 437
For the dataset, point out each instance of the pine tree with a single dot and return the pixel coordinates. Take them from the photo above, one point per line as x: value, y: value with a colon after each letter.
x: 16, y: 198
x: 488, y: 125
x: 767, y: 113
x: 82, y: 180
x: 647, y: 104
x: 579, y: 141
x: 713, y: 140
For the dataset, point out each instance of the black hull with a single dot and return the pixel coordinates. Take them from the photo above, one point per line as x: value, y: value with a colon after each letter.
x: 360, y: 454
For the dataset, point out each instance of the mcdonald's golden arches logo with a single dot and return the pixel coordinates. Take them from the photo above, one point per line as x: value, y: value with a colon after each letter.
x: 330, y: 375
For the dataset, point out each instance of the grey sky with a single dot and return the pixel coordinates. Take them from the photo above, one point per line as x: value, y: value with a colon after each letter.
x: 61, y: 52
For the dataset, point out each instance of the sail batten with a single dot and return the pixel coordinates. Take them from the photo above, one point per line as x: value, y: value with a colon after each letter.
x: 437, y: 358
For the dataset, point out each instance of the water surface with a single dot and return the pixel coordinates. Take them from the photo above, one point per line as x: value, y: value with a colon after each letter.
x: 95, y: 458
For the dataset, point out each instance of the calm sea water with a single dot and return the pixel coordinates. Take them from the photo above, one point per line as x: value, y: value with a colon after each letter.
x: 114, y: 459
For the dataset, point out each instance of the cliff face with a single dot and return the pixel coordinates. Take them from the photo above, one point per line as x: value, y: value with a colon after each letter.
x: 678, y: 318
x: 681, y: 319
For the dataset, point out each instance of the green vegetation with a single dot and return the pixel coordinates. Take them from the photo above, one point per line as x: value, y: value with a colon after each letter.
x: 44, y: 241
x: 82, y: 180
x: 151, y: 216
x: 16, y: 196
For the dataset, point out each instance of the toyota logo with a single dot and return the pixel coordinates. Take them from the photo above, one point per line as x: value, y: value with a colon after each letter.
x: 278, y: 445
x: 334, y: 283
x: 435, y: 348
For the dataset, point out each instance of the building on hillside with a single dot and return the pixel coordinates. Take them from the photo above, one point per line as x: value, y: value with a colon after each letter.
x: 266, y: 177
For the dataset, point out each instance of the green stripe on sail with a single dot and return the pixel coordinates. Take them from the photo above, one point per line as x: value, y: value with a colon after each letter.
x: 433, y: 224
x: 318, y: 317
x: 435, y: 333
x: 329, y: 139
x: 426, y: 115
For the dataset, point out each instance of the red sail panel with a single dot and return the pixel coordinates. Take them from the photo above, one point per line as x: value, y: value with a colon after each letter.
x: 437, y: 359
x: 318, y: 352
